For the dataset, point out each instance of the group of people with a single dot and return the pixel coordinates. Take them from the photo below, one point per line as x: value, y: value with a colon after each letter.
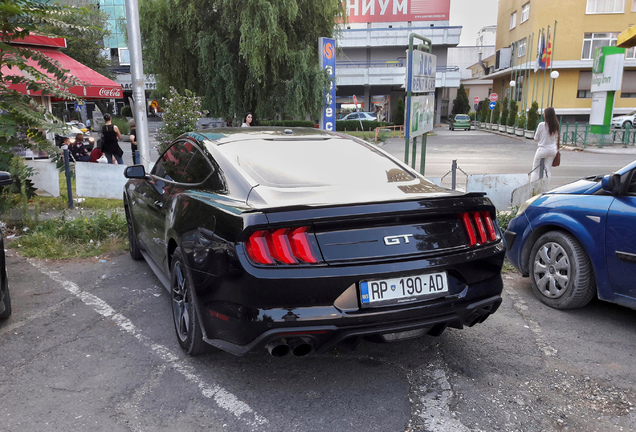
x: 108, y: 146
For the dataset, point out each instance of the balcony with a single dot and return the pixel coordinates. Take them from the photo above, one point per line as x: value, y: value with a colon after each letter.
x: 390, y: 72
x: 386, y: 37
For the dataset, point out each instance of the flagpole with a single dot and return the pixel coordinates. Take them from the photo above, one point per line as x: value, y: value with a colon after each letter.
x: 551, y: 56
x: 545, y: 47
x: 535, y: 83
x: 526, y: 75
x: 548, y: 54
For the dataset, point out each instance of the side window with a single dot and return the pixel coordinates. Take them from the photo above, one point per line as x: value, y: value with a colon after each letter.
x: 632, y: 185
x: 173, y: 163
x: 198, y: 168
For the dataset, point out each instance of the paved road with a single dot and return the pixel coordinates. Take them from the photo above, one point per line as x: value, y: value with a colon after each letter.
x: 91, y: 346
x: 480, y: 152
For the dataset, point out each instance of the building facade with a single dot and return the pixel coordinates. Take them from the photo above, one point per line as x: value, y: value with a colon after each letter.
x: 573, y: 29
x: 372, y: 48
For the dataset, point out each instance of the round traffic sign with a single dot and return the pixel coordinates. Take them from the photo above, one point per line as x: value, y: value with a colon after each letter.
x: 492, y: 105
x: 476, y: 99
x: 493, y: 97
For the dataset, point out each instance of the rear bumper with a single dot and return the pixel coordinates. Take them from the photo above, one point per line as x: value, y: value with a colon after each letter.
x: 325, y: 327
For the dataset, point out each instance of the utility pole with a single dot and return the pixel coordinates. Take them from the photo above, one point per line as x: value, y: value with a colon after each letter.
x: 137, y: 72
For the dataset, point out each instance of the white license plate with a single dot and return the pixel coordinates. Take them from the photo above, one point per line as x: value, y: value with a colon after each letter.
x: 403, y: 290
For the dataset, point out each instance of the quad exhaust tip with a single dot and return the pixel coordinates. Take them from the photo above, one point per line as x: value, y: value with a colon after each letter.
x: 299, y: 347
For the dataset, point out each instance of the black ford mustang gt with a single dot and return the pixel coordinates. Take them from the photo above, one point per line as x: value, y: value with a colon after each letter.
x: 298, y: 240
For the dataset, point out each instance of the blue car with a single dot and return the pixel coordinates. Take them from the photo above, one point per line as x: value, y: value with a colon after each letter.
x: 579, y: 241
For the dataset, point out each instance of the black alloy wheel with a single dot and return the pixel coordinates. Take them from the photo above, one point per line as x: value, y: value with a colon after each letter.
x: 184, y: 311
x: 561, y: 272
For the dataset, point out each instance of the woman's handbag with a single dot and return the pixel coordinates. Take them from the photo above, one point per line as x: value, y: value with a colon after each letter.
x: 557, y: 159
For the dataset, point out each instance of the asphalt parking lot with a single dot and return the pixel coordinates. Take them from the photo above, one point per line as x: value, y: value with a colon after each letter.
x: 91, y: 346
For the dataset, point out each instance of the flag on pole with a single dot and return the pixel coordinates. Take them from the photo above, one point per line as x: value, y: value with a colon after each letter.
x: 547, y: 59
x: 539, y: 64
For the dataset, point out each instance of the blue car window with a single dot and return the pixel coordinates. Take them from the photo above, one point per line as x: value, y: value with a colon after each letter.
x: 632, y: 185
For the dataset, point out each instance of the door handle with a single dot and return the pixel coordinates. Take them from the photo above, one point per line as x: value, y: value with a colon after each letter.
x: 159, y: 204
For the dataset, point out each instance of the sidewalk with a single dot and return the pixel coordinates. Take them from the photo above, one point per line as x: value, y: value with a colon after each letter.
x: 591, y: 148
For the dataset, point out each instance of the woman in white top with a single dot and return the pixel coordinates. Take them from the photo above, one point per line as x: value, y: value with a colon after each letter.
x: 547, y: 139
x: 247, y: 121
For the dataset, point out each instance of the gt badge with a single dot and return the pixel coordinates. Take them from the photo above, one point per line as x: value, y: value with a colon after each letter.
x: 397, y: 239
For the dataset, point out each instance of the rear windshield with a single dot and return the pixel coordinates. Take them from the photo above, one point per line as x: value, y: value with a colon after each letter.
x: 320, y: 162
x: 461, y: 117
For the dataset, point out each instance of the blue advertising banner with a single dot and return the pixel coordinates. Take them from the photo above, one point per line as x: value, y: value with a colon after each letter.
x: 327, y: 49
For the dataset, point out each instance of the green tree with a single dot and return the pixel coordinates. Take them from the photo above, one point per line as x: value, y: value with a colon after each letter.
x: 84, y: 38
x: 504, y: 112
x: 496, y: 113
x: 23, y: 122
x: 252, y: 55
x: 484, y: 112
x: 533, y: 116
x: 461, y: 104
x: 512, y: 114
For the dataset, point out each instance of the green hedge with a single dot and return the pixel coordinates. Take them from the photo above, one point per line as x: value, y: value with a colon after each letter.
x: 287, y: 123
x: 352, y: 125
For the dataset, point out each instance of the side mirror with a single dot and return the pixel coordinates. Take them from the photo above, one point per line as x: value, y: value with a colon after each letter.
x: 5, y: 178
x: 612, y: 183
x: 135, y: 172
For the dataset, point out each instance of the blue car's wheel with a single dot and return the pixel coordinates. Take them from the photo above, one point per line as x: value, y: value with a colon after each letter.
x: 561, y: 272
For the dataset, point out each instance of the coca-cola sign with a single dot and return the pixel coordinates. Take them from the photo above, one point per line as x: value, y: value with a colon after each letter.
x: 112, y: 92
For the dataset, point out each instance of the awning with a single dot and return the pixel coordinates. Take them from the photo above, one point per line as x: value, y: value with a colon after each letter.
x: 97, y: 86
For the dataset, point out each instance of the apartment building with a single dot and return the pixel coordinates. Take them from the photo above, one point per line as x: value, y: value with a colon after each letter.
x: 372, y: 45
x: 576, y: 29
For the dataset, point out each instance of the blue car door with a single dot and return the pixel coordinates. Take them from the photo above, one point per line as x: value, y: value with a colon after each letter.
x: 620, y: 246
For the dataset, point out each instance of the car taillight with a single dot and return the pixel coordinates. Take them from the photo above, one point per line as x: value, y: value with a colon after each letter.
x: 282, y: 246
x: 479, y: 227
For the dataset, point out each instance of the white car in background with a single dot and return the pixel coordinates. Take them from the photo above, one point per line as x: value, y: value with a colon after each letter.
x: 622, y: 121
x: 364, y: 116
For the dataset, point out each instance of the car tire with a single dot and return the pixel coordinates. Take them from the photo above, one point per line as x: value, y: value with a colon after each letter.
x: 6, y: 301
x: 624, y: 126
x: 561, y: 272
x: 184, y: 311
x: 133, y: 244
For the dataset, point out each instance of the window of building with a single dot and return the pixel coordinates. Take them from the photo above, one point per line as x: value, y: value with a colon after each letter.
x: 628, y: 88
x: 633, y: 5
x: 591, y: 41
x: 513, y: 20
x: 525, y: 12
x: 585, y: 84
x: 521, y: 48
x: 630, y: 53
x: 605, y: 6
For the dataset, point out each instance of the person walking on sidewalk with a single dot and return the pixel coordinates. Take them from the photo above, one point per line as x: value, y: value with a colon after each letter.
x: 110, y: 141
x: 547, y: 138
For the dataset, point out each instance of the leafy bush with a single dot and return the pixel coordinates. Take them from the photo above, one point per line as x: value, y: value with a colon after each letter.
x: 533, y: 116
x: 521, y: 120
x: 512, y: 114
x: 64, y: 238
x: 471, y: 114
x: 352, y: 125
x: 496, y: 113
x: 180, y: 115
x: 504, y: 112
x: 126, y: 111
x: 485, y: 110
x: 122, y: 124
x: 399, y: 112
x: 504, y: 217
x: 287, y: 123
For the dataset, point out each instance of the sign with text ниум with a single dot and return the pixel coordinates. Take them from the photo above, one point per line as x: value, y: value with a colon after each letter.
x: 327, y: 49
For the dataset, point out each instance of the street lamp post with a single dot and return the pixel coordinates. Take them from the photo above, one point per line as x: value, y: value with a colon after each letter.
x: 554, y: 75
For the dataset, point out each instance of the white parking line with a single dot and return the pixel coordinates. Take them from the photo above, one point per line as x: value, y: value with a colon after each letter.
x: 223, y: 398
